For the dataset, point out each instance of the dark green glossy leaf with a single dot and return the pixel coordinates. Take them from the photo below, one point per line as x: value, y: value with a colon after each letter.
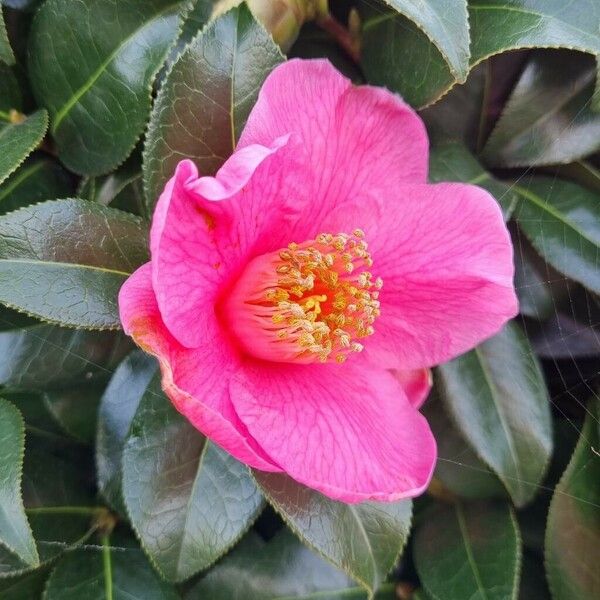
x: 581, y: 172
x: 17, y: 141
x: 41, y: 425
x: 75, y: 409
x: 573, y: 531
x: 533, y: 291
x: 203, y: 104
x: 70, y: 274
x: 117, y: 409
x: 92, y: 64
x: 458, y: 467
x: 397, y: 54
x: 469, y: 551
x: 364, y: 540
x: 24, y: 587
x: 458, y: 115
x: 562, y: 221
x: 115, y: 572
x: 35, y: 180
x: 6, y: 53
x: 15, y: 533
x: 506, y: 420
x: 277, y: 569
x: 188, y: 500
x: 59, y: 504
x: 10, y: 92
x: 547, y: 119
x: 120, y: 189
x: 445, y: 24
x: 452, y: 161
x: 34, y: 355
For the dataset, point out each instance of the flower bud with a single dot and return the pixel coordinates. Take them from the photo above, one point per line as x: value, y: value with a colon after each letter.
x: 281, y: 18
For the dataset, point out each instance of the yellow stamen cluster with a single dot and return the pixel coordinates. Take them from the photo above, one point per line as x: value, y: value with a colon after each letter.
x: 325, y: 299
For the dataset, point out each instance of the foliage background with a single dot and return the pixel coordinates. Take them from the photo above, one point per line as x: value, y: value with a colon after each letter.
x: 106, y: 492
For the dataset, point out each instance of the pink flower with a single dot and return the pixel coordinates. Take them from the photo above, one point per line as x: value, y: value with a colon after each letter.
x: 296, y: 300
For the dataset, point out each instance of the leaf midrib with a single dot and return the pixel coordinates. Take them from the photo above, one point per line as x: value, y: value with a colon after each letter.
x: 188, y: 504
x: 469, y: 550
x: 494, y: 393
x: 355, y: 514
x: 66, y: 265
x: 75, y: 97
x: 539, y: 202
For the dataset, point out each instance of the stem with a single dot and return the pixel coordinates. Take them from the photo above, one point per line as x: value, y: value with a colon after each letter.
x: 343, y: 36
x: 5, y: 116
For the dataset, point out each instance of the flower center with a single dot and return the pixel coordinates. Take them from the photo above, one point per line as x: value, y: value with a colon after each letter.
x: 310, y: 302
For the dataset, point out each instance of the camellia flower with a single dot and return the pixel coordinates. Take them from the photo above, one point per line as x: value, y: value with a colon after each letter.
x: 296, y: 300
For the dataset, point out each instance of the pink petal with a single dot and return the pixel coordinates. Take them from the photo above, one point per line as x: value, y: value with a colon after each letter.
x: 187, y: 265
x: 351, y: 434
x: 351, y: 138
x: 416, y: 385
x: 237, y: 171
x: 196, y: 380
x: 446, y: 261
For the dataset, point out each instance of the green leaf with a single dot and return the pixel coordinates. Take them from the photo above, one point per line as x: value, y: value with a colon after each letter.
x: 562, y: 222
x: 203, y: 104
x: 398, y: 55
x: 533, y: 290
x: 452, y: 161
x: 459, y: 115
x: 6, y: 53
x: 506, y: 420
x: 17, y: 141
x: 35, y: 180
x: 24, y: 587
x: 573, y: 530
x: 92, y: 64
x: 394, y: 49
x: 120, y: 189
x: 10, y: 92
x: 445, y: 24
x: 458, y: 467
x: 112, y: 573
x: 58, y: 502
x: 277, y: 569
x: 75, y: 409
x: 547, y: 119
x: 15, y: 532
x: 34, y: 355
x: 469, y: 551
x: 364, y: 540
x: 188, y: 500
x: 71, y: 275
x: 117, y: 408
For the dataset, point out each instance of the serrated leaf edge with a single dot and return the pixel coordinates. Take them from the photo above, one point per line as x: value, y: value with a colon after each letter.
x: 32, y: 146
x: 19, y: 481
x: 371, y: 591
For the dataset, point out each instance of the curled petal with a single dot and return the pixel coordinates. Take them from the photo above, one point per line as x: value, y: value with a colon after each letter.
x: 416, y: 385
